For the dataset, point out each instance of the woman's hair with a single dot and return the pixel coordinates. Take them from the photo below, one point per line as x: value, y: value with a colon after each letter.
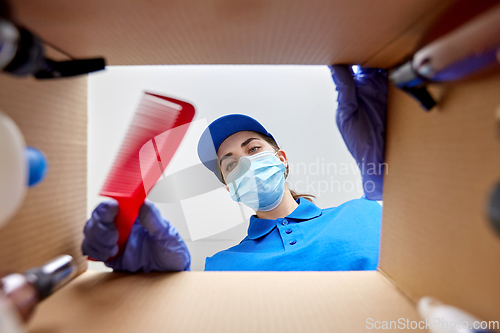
x: 276, y: 148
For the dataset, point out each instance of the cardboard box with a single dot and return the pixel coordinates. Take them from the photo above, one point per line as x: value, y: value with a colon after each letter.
x: 435, y: 237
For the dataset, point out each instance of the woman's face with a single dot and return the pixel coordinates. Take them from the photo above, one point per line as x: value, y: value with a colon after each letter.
x: 244, y: 143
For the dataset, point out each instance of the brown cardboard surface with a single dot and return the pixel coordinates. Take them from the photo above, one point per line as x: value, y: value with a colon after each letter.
x: 222, y: 302
x: 406, y: 43
x: 129, y: 32
x: 442, y: 19
x: 52, y: 116
x: 436, y: 239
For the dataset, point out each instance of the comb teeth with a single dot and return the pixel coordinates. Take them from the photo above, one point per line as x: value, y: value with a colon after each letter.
x: 154, y: 116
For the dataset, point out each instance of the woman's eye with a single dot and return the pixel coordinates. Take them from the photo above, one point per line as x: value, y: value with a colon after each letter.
x: 230, y: 166
x: 253, y: 149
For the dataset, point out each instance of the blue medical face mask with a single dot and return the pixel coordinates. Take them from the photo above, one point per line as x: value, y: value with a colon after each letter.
x: 258, y: 181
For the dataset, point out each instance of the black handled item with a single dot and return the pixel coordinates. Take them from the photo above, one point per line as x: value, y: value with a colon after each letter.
x: 468, y: 49
x: 55, y: 69
x: 408, y: 80
x: 22, y: 53
x: 53, y: 275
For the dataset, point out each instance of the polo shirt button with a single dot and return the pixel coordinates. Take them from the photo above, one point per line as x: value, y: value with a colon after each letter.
x: 285, y: 222
x: 288, y: 231
x: 293, y: 242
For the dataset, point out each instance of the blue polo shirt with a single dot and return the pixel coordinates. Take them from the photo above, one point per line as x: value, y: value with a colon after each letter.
x: 342, y: 238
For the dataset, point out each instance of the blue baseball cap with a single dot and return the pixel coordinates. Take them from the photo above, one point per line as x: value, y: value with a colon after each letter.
x: 218, y: 131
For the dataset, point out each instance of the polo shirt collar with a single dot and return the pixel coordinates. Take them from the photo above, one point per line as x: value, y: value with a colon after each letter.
x: 306, y: 210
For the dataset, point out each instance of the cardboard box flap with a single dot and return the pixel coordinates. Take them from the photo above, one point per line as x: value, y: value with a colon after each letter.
x: 436, y: 238
x: 223, y: 302
x: 232, y: 31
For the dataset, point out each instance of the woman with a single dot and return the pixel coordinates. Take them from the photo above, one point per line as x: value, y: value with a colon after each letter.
x: 288, y: 232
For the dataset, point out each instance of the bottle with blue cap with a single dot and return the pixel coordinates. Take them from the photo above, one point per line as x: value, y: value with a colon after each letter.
x: 21, y: 167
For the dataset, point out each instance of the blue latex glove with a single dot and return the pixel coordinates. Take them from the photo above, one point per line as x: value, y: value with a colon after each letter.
x: 361, y: 118
x: 153, y: 244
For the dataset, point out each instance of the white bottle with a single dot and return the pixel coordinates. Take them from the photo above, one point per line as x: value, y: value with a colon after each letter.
x: 444, y: 318
x: 13, y: 168
x: 16, y: 165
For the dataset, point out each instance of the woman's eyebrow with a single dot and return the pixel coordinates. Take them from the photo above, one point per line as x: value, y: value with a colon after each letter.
x: 245, y: 143
x: 224, y: 157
